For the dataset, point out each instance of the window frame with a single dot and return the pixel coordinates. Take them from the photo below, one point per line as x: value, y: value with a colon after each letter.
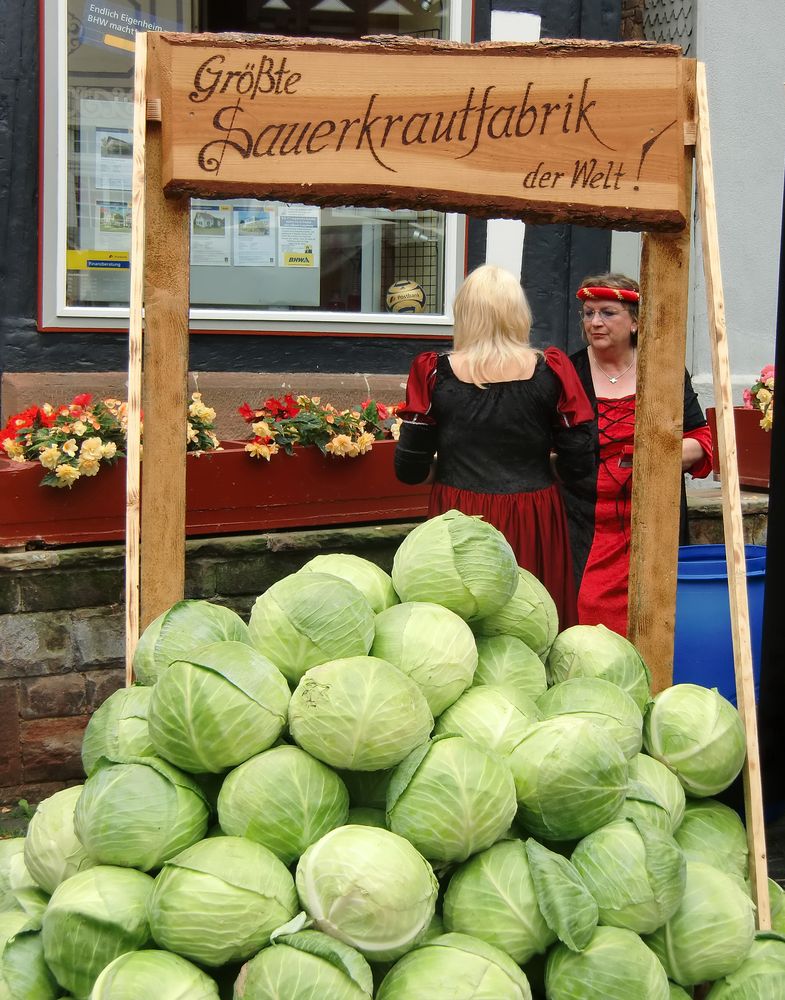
x: 54, y: 315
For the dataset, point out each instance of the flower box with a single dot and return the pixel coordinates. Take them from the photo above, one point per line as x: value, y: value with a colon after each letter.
x: 753, y: 447
x: 227, y: 492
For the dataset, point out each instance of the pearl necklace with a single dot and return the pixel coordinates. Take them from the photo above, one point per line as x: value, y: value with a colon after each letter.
x: 613, y: 378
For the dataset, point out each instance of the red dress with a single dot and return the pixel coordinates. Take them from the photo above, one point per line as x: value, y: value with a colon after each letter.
x: 493, y: 456
x: 602, y: 597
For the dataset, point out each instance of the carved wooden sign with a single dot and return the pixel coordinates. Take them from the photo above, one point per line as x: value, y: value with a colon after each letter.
x: 548, y: 132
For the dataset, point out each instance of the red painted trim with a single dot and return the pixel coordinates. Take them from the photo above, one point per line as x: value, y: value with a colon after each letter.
x: 265, y: 333
x: 41, y: 91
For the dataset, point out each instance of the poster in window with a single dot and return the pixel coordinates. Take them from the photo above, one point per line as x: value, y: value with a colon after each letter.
x: 299, y: 236
x: 113, y: 158
x: 254, y: 232
x: 211, y: 228
x: 112, y: 225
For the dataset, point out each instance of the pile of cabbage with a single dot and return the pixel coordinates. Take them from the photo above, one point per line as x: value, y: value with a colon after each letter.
x: 408, y: 786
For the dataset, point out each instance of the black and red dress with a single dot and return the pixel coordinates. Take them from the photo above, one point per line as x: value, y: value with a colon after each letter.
x: 599, y: 507
x: 493, y: 450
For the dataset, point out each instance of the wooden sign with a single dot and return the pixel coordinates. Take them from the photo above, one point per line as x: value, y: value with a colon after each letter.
x: 549, y: 132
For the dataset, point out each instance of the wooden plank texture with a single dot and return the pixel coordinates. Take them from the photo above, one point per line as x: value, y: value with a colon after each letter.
x: 659, y: 414
x: 134, y: 427
x: 164, y: 399
x: 731, y: 508
x: 578, y: 131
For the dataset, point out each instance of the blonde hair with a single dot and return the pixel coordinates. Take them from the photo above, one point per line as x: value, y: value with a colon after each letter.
x: 492, y: 322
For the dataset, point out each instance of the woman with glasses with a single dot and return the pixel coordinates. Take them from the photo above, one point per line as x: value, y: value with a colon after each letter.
x: 506, y: 423
x: 599, y: 507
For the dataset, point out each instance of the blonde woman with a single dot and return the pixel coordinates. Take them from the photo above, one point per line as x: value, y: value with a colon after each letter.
x: 505, y: 423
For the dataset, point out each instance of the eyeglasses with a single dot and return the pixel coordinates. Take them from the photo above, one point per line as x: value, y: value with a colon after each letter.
x: 587, y: 315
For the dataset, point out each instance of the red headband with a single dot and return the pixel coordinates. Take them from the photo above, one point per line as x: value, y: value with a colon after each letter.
x: 601, y: 292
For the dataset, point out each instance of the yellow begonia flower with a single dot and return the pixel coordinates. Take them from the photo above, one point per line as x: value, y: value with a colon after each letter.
x: 769, y: 383
x: 764, y: 397
x: 70, y: 448
x: 13, y: 449
x: 79, y: 428
x: 259, y: 450
x: 365, y: 442
x: 768, y: 419
x: 261, y: 429
x: 395, y: 430
x: 91, y: 448
x: 88, y: 466
x: 49, y: 457
x: 108, y: 450
x: 342, y: 445
x: 67, y: 474
x: 191, y: 433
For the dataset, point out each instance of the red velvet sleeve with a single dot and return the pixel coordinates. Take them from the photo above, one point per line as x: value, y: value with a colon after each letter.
x: 702, y: 467
x: 419, y: 386
x: 574, y: 406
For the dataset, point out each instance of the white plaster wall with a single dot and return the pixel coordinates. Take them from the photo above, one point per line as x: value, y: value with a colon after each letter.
x: 743, y: 48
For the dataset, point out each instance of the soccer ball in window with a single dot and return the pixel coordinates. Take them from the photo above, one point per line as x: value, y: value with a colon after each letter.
x: 405, y: 296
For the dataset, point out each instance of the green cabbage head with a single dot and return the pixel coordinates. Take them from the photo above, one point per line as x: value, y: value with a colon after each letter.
x: 654, y: 795
x: 710, y: 933
x: 458, y: 561
x: 570, y: 778
x: 455, y: 967
x: 371, y: 580
x: 216, y: 708
x: 92, y: 918
x: 699, y: 735
x: 361, y: 713
x: 596, y: 651
x: 713, y: 832
x: 601, y: 702
x: 24, y: 974
x: 118, y: 728
x: 139, y: 812
x: 492, y: 896
x: 450, y: 798
x: 761, y: 974
x: 305, y: 965
x: 220, y: 900
x: 53, y: 851
x: 635, y: 872
x: 369, y: 888
x: 431, y: 644
x: 505, y: 659
x: 310, y: 618
x: 284, y: 799
x: 530, y: 615
x: 155, y: 974
x: 493, y: 717
x: 186, y: 626
x: 615, y: 965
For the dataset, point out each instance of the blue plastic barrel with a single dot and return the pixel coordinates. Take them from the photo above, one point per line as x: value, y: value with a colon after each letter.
x: 703, y: 647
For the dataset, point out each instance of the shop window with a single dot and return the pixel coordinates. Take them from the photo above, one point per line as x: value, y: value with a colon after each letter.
x: 255, y: 265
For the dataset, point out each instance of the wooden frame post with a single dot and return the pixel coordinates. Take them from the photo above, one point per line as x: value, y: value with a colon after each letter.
x: 731, y: 510
x: 164, y: 397
x: 659, y: 414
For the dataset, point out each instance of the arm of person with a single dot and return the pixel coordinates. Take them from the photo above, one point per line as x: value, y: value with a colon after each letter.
x: 575, y: 434
x: 696, y: 447
x: 416, y: 446
x: 415, y: 452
